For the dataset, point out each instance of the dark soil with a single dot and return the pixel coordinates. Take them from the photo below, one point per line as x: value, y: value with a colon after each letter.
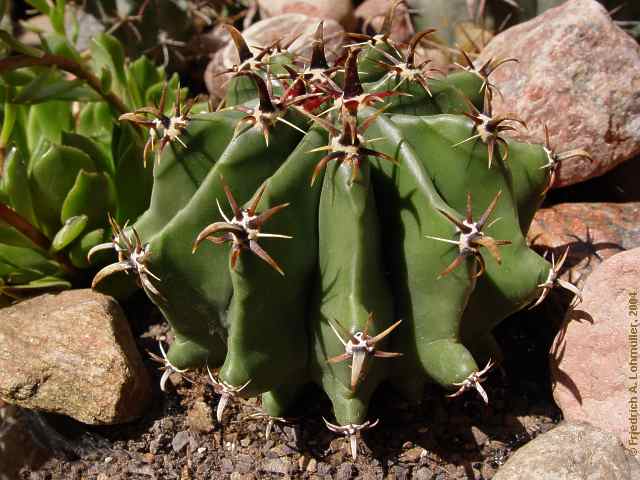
x: 440, y: 439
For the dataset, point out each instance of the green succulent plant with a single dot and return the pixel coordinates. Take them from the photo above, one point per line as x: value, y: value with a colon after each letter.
x: 66, y: 161
x: 146, y: 27
x: 163, y: 29
x: 323, y: 230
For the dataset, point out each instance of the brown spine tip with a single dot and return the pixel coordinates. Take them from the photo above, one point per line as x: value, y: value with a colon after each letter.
x: 241, y: 46
x: 388, y: 19
x: 352, y: 86
x: 415, y: 41
x: 266, y: 105
x: 318, y: 58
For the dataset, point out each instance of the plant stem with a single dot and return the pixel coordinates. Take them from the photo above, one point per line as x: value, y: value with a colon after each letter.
x: 71, y: 66
x: 18, y: 222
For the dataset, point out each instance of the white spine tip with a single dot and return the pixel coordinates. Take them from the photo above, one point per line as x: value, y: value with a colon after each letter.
x: 267, y: 432
x: 163, y: 380
x: 222, y: 404
x: 353, y: 441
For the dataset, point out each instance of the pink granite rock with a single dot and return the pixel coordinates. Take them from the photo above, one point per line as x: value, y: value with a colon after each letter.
x: 578, y: 73
x: 595, y: 359
x: 372, y: 12
x: 292, y: 26
x: 339, y: 10
x: 592, y: 231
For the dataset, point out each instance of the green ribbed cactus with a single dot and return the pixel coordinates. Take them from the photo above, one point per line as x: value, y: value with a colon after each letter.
x: 340, y: 233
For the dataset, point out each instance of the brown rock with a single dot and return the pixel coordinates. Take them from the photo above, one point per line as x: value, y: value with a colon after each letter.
x: 372, y: 12
x: 340, y: 11
x: 578, y: 73
x: 285, y: 27
x: 592, y: 231
x: 72, y: 353
x: 595, y: 358
x: 571, y: 451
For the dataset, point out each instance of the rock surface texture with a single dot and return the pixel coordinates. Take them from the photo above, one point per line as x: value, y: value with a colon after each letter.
x: 594, y: 358
x: 73, y: 354
x: 371, y: 13
x: 578, y: 73
x: 339, y: 10
x: 592, y: 231
x: 292, y: 27
x: 571, y: 451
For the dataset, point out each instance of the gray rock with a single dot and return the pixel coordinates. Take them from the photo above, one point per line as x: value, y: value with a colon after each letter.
x: 180, y: 440
x: 571, y: 451
x: 72, y: 353
x: 578, y: 73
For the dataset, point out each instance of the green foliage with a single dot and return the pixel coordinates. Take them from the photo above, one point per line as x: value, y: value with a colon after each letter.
x: 66, y: 161
x: 155, y: 29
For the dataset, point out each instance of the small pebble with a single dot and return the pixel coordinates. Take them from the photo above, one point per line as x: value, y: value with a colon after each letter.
x: 277, y: 465
x: 424, y: 473
x: 346, y: 471
x: 312, y: 465
x: 180, y: 440
x: 479, y: 436
x: 413, y: 455
x: 226, y: 465
x: 324, y: 468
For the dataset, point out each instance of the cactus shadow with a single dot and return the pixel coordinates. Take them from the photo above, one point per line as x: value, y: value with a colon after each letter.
x: 558, y: 351
x: 582, y: 250
x: 443, y: 431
